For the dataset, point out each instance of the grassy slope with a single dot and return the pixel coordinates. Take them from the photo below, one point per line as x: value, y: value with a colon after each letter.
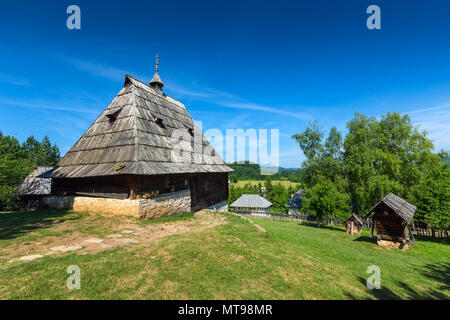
x: 234, y: 261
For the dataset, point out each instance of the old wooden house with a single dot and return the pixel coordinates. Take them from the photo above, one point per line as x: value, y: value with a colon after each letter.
x: 144, y: 147
x: 353, y: 224
x: 251, y: 203
x: 34, y: 188
x: 392, y: 217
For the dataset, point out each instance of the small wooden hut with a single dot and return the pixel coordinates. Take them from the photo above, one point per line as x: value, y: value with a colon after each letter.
x: 251, y: 203
x: 391, y: 218
x: 295, y: 203
x: 34, y: 188
x: 353, y: 224
x: 134, y: 151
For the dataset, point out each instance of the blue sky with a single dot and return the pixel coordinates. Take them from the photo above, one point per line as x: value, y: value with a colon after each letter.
x: 235, y: 64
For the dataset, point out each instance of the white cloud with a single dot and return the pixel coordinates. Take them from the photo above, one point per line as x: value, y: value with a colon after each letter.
x: 10, y: 80
x: 436, y: 121
x: 43, y: 105
x: 224, y: 99
x: 97, y: 69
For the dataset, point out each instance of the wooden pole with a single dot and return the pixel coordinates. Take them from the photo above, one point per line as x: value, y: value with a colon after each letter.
x: 373, y: 225
x: 133, y: 187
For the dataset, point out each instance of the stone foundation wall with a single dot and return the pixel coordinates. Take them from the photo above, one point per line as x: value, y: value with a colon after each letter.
x: 168, y: 204
x: 393, y: 244
x: 164, y: 205
x: 95, y: 205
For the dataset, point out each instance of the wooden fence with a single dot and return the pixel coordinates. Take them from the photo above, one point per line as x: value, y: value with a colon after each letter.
x: 441, y: 234
x: 308, y: 218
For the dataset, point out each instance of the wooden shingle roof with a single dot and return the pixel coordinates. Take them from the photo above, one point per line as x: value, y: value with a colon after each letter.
x: 355, y: 218
x: 401, y: 207
x: 251, y: 201
x: 133, y: 135
x: 34, y: 185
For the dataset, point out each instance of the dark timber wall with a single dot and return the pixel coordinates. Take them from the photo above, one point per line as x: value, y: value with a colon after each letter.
x: 206, y: 189
x: 389, y: 225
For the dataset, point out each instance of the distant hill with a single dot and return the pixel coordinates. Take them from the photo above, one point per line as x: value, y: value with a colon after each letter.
x: 252, y: 171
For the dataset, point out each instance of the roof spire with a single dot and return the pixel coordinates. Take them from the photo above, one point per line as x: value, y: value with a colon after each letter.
x: 156, y: 82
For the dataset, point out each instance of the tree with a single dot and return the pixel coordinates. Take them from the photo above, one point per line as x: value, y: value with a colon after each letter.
x: 325, y: 200
x: 18, y: 160
x: 432, y: 197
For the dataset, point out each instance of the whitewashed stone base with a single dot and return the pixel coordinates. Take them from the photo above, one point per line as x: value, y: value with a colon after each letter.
x: 168, y: 204
x: 164, y: 205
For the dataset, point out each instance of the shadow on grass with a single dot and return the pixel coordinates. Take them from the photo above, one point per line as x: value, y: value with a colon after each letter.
x: 19, y: 223
x: 366, y: 239
x: 438, y: 273
x: 314, y: 225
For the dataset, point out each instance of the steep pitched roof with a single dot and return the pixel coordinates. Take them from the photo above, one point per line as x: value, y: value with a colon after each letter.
x: 33, y: 184
x: 355, y: 218
x: 251, y: 201
x: 401, y: 207
x: 296, y: 200
x: 133, y: 135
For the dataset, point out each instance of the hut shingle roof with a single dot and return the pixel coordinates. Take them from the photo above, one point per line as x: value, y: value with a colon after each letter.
x: 356, y: 218
x: 33, y: 184
x: 401, y: 207
x: 133, y: 135
x: 251, y: 201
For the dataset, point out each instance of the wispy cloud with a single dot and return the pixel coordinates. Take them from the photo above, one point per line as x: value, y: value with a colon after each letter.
x: 229, y: 100
x: 11, y: 80
x: 44, y: 105
x: 97, y: 69
x: 213, y: 96
x: 435, y: 120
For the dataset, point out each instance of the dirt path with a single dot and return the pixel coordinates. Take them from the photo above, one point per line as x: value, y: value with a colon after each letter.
x: 124, y: 233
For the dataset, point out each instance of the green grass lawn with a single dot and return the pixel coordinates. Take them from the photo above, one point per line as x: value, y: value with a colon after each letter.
x: 233, y: 260
x: 242, y: 183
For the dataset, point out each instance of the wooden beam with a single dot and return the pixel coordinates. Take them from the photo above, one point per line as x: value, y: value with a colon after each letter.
x: 373, y: 225
x: 133, y: 187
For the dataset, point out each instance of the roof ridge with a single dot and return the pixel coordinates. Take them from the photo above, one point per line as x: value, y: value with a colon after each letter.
x: 154, y: 93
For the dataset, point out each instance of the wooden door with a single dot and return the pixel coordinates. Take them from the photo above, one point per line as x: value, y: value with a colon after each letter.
x: 195, y: 201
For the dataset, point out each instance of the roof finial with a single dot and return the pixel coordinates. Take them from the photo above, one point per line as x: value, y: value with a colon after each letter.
x: 156, y: 82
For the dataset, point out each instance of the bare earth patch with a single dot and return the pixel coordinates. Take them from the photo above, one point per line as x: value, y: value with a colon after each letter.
x: 120, y: 232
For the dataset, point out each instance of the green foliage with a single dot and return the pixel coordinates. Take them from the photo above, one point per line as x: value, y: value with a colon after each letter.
x: 18, y: 160
x: 432, y: 197
x: 252, y: 171
x: 9, y: 197
x: 325, y: 200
